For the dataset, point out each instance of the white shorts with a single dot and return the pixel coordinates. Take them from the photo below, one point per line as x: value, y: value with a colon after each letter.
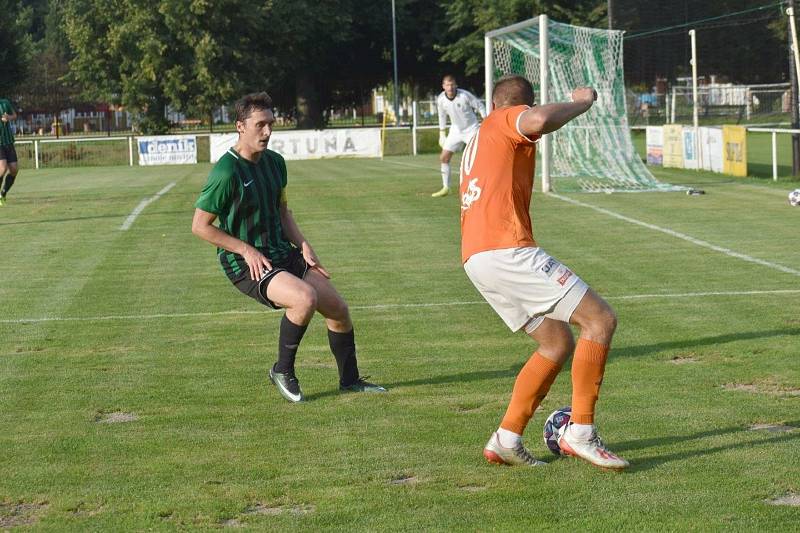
x: 456, y: 139
x: 525, y: 286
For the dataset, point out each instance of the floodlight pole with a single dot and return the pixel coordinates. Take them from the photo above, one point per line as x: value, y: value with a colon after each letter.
x: 394, y: 55
x: 695, y: 118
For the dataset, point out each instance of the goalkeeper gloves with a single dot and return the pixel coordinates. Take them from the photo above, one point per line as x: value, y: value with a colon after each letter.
x: 442, y: 138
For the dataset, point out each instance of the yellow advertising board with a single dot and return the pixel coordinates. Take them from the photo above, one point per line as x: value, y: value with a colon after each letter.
x: 673, y: 146
x: 734, y: 151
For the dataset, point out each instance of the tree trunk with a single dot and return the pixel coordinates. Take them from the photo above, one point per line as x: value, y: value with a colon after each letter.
x: 309, y: 114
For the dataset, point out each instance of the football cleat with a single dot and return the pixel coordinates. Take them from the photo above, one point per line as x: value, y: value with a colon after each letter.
x: 591, y: 450
x: 360, y: 385
x: 499, y: 454
x: 287, y: 384
x: 444, y: 191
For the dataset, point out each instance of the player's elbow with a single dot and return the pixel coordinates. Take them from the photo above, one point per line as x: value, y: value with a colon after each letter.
x: 535, y: 124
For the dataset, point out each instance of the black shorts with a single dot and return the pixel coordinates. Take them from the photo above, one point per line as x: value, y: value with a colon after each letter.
x: 9, y: 153
x: 293, y: 264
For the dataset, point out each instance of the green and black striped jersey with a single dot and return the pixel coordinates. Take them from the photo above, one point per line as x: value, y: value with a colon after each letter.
x: 6, y: 135
x: 246, y: 198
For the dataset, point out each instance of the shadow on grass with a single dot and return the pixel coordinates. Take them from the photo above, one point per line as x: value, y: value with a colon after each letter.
x: 463, y: 377
x: 647, y: 349
x: 648, y: 462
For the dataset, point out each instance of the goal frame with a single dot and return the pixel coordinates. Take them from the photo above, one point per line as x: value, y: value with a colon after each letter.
x: 544, y: 80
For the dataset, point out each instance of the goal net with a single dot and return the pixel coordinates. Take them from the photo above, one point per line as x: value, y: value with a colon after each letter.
x: 594, y: 152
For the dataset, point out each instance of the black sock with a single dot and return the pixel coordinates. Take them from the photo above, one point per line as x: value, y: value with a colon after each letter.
x: 343, y: 346
x: 289, y: 339
x: 8, y: 183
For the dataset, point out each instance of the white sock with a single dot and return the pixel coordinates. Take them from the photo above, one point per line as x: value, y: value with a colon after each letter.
x: 508, y: 439
x: 445, y: 174
x: 582, y: 431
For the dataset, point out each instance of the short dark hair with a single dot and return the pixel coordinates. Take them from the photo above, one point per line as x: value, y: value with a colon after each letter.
x: 512, y: 90
x: 448, y: 77
x: 252, y: 102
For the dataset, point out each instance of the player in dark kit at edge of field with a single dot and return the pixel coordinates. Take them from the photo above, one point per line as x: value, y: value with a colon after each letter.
x: 264, y: 253
x: 8, y: 155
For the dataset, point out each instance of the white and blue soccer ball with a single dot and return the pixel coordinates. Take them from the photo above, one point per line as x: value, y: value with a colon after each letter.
x: 794, y: 198
x: 554, y: 427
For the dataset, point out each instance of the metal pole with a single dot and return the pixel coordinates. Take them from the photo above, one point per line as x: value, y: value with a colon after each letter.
x: 794, y: 76
x: 774, y: 156
x: 394, y: 55
x: 610, y: 14
x: 414, y: 127
x: 544, y: 80
x: 695, y: 119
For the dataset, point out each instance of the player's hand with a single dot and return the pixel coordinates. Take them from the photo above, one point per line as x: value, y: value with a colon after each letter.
x: 313, y: 261
x: 256, y: 261
x: 585, y: 95
x: 5, y: 117
x: 442, y: 138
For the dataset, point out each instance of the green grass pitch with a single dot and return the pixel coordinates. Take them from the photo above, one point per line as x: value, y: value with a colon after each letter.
x: 133, y: 376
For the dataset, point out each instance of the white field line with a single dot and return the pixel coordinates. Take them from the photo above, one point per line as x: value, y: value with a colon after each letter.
x: 144, y: 203
x: 688, y: 238
x: 378, y: 307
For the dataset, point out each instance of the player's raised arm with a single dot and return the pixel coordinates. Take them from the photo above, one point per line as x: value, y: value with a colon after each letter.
x: 547, y: 118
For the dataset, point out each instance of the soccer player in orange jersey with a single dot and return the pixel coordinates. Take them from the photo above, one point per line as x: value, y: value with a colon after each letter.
x: 529, y: 289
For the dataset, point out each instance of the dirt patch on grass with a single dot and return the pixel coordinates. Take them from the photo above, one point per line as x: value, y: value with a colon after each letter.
x: 404, y: 479
x: 682, y: 360
x: 274, y: 510
x: 765, y: 387
x: 231, y: 522
x: 772, y: 428
x: 116, y: 417
x: 20, y: 513
x: 789, y: 499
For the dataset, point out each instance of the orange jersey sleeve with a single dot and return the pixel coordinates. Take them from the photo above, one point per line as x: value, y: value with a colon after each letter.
x: 496, y: 183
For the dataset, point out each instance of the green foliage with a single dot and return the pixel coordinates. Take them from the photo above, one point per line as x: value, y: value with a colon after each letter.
x: 471, y: 19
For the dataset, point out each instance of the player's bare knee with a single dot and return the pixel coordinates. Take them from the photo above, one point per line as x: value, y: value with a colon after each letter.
x: 601, y: 326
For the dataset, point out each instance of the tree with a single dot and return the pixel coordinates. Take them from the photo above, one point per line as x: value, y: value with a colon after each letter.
x: 145, y: 54
x: 13, y: 49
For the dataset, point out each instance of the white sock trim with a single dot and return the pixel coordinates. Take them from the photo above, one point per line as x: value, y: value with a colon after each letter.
x: 445, y: 170
x: 508, y: 439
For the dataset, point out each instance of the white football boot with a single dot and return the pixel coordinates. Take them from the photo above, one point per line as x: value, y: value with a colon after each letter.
x: 499, y: 454
x: 591, y: 450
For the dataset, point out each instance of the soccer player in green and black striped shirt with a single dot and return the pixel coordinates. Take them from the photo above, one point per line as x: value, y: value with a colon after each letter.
x: 8, y: 155
x: 263, y: 252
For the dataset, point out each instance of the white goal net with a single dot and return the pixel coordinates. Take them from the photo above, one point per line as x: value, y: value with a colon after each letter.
x: 594, y: 152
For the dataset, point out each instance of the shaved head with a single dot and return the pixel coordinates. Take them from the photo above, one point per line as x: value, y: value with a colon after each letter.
x: 511, y: 91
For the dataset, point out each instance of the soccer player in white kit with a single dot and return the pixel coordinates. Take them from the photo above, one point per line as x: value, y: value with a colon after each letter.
x: 461, y: 106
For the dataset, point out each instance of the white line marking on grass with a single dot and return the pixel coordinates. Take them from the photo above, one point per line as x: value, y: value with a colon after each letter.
x: 698, y: 242
x: 374, y: 307
x: 144, y: 203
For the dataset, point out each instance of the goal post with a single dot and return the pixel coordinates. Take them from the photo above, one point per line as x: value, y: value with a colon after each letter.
x: 594, y: 152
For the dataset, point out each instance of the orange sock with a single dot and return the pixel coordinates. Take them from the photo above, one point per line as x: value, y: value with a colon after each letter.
x: 588, y: 367
x: 531, y: 386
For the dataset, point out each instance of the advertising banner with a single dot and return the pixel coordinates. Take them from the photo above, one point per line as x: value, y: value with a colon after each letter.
x: 673, y: 146
x: 734, y: 140
x: 690, y: 157
x: 711, y: 149
x: 654, y: 139
x: 167, y: 150
x: 312, y: 144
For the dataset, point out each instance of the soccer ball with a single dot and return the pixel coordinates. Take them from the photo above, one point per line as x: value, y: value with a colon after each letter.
x: 794, y: 198
x: 554, y: 427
